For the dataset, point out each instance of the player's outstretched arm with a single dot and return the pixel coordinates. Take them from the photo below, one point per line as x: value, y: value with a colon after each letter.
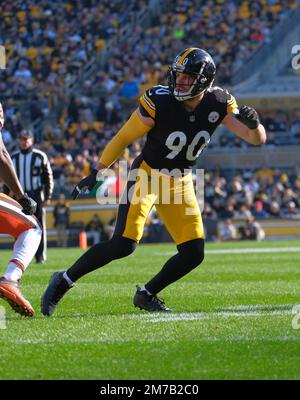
x: 7, y: 172
x: 245, y: 124
x: 9, y: 176
x: 136, y: 127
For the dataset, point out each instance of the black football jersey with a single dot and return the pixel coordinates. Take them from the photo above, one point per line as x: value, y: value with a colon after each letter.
x: 179, y: 136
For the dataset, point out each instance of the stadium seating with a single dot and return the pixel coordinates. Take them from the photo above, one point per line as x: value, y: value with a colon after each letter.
x: 67, y: 80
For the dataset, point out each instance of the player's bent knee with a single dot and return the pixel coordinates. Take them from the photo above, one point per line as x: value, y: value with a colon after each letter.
x: 122, y: 246
x: 192, y: 252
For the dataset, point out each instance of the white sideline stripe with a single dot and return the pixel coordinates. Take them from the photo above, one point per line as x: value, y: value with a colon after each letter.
x: 265, y: 307
x: 213, y: 315
x: 242, y: 251
x: 66, y: 339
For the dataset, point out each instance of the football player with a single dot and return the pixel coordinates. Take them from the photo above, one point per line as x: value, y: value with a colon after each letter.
x: 16, y: 220
x: 178, y: 121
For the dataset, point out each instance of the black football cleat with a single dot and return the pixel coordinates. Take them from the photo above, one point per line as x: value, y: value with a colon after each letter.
x: 149, y: 302
x: 55, y: 291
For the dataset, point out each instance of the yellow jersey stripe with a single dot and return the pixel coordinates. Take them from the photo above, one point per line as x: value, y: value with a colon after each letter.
x: 231, y: 106
x: 150, y: 111
x: 149, y: 100
x: 185, y: 54
x: 230, y: 100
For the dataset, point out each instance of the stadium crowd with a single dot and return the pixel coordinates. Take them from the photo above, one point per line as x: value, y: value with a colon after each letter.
x: 49, y: 54
x: 48, y: 42
x: 259, y: 193
x: 47, y: 45
x: 283, y: 127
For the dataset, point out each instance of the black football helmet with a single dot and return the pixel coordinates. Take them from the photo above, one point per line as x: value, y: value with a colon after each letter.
x: 195, y: 62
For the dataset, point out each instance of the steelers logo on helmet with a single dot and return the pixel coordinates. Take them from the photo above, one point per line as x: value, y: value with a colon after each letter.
x: 199, y: 65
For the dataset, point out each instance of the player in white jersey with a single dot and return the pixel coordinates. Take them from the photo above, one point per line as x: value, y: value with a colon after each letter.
x: 16, y: 220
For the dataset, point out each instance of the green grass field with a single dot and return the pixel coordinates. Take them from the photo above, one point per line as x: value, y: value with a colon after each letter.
x: 232, y: 319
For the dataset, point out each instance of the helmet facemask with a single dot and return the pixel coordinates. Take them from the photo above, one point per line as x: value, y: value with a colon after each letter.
x: 196, y: 88
x: 196, y: 63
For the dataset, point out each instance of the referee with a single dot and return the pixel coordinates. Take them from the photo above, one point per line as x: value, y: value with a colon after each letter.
x: 35, y: 175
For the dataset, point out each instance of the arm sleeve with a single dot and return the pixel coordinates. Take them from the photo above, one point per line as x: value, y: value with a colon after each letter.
x: 147, y: 106
x: 133, y: 129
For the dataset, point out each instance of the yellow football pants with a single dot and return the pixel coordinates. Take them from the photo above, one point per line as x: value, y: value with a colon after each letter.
x: 173, y: 197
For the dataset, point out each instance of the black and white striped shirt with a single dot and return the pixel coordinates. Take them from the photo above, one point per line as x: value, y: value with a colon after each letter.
x: 34, y: 172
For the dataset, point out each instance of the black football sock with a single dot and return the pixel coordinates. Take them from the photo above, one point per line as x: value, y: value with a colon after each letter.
x: 101, y: 254
x: 190, y: 255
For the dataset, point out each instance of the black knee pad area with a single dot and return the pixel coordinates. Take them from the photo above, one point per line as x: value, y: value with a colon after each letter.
x: 122, y: 246
x: 192, y: 252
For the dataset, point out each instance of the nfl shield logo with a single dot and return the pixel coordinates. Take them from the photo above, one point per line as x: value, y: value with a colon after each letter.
x: 192, y: 118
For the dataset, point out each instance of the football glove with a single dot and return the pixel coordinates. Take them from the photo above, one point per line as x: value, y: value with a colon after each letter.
x: 28, y: 204
x: 248, y: 116
x: 86, y: 183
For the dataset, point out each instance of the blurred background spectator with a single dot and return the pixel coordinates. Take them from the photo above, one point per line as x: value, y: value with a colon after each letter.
x: 61, y: 214
x: 227, y: 231
x: 94, y: 229
x: 252, y: 230
x: 76, y: 82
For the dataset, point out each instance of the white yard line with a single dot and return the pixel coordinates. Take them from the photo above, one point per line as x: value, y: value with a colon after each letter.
x: 263, y: 307
x: 154, y: 318
x: 208, y: 339
x: 242, y: 251
x: 241, y: 311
